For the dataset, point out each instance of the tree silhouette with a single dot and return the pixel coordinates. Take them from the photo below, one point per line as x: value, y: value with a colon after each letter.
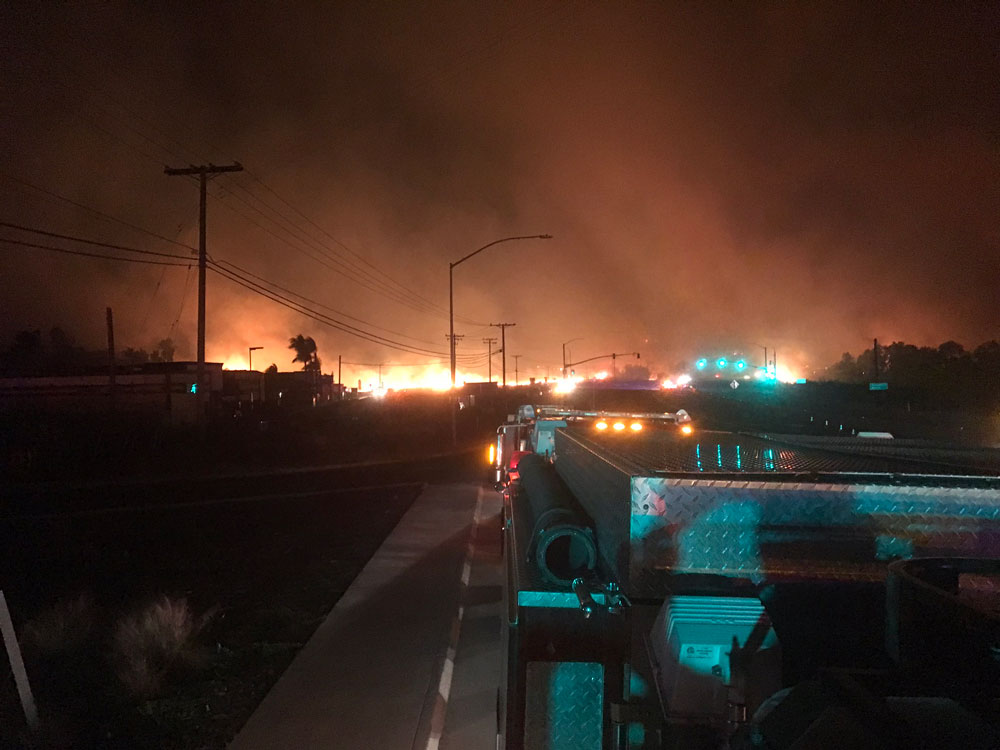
x: 305, y: 352
x: 164, y: 351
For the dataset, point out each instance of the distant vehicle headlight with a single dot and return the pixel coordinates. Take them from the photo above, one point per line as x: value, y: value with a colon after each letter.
x: 601, y: 425
x: 636, y: 426
x: 686, y: 429
x: 619, y: 426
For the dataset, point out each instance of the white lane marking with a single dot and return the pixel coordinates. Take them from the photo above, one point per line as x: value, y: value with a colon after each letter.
x: 448, y: 668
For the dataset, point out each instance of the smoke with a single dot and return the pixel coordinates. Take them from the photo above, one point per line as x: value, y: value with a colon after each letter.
x: 715, y: 177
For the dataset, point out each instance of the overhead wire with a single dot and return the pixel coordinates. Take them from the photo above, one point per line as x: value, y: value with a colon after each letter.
x: 316, y: 302
x: 361, y: 258
x: 340, y: 268
x: 187, y: 279
x: 390, y: 288
x: 398, y: 292
x: 95, y: 211
x: 111, y: 246
x: 92, y: 255
x: 321, y: 317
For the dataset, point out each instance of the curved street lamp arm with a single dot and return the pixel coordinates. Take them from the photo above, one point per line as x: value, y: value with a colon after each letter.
x: 497, y: 242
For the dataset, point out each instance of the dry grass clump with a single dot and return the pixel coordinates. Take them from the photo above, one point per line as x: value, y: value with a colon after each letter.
x: 64, y: 626
x: 156, y: 641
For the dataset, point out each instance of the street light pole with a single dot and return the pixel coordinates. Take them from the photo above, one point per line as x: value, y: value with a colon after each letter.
x: 564, y: 354
x: 451, y: 288
x: 250, y: 351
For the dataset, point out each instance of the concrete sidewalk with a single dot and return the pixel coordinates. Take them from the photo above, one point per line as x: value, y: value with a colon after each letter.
x: 369, y: 677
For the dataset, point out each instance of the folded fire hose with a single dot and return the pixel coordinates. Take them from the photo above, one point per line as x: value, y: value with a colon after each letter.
x: 562, y: 542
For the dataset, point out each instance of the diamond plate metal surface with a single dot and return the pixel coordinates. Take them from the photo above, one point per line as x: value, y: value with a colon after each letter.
x: 917, y: 450
x: 767, y: 531
x: 755, y: 508
x: 564, y: 705
x: 708, y: 452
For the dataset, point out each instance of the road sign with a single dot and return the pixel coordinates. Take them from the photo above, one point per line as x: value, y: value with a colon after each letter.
x: 878, y: 386
x: 734, y: 385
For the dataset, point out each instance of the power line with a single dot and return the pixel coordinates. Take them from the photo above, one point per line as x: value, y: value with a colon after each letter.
x: 93, y: 255
x: 320, y: 304
x: 187, y: 280
x: 321, y: 317
x: 322, y: 254
x: 392, y: 290
x: 108, y: 245
x: 361, y: 258
x: 308, y: 251
x: 94, y: 211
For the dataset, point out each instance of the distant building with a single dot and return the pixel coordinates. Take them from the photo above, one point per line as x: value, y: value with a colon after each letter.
x: 298, y: 389
x: 165, y: 388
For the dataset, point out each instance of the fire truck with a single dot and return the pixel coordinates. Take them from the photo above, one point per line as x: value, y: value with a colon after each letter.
x: 668, y: 586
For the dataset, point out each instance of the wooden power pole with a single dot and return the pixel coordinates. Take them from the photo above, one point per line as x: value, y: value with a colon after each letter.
x: 503, y: 345
x: 203, y: 172
x: 111, y: 359
x: 489, y: 357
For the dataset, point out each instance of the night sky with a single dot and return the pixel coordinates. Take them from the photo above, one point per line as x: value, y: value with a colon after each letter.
x: 717, y: 177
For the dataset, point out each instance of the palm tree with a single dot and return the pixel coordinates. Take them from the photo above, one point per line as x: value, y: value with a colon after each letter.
x: 305, y: 352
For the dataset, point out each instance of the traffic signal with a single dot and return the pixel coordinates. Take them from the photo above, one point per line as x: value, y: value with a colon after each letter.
x: 740, y: 365
x: 701, y: 364
x: 721, y: 363
x: 193, y: 388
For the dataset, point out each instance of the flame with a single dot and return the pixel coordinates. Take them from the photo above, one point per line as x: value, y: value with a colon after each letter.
x: 565, y: 385
x: 679, y: 382
x: 405, y: 378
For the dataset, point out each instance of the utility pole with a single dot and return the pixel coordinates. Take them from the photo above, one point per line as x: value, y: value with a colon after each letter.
x: 453, y: 339
x: 453, y: 405
x: 203, y: 172
x: 875, y: 357
x: 340, y: 358
x: 503, y: 345
x: 489, y: 357
x: 111, y: 360
x: 516, y: 357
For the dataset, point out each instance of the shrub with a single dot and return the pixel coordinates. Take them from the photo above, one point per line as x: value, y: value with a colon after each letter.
x: 156, y: 641
x: 64, y: 626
